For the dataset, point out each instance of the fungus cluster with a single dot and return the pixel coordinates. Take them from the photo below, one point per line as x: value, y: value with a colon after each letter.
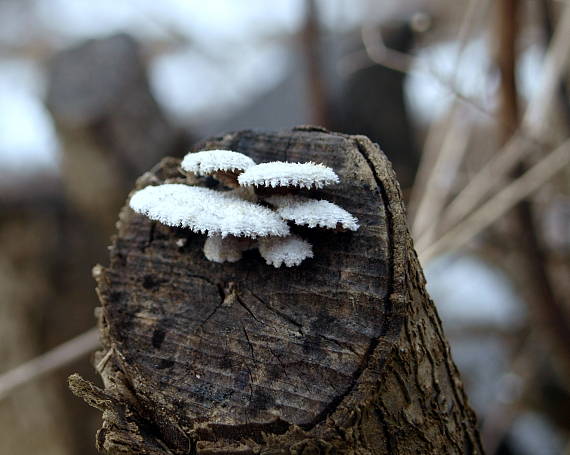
x: 254, y: 213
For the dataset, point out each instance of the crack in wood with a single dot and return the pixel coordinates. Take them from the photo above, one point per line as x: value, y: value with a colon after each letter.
x: 282, y: 315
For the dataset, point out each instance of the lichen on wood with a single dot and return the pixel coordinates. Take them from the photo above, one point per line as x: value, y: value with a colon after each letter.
x: 343, y: 354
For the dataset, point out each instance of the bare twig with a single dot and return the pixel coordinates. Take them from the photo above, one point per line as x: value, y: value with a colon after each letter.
x: 310, y: 37
x: 427, y: 193
x: 375, y: 52
x: 48, y: 362
x: 534, y: 124
x: 548, y: 26
x: 103, y: 362
x: 440, y: 180
x: 502, y: 202
x: 499, y: 419
x: 507, y: 32
x: 465, y: 30
x: 550, y: 315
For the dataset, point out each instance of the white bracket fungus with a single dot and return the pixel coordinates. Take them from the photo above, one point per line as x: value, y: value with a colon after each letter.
x: 290, y: 250
x: 281, y: 174
x: 224, y: 165
x: 207, y: 211
x: 233, y: 219
x: 226, y: 249
x: 312, y: 212
x: 210, y: 161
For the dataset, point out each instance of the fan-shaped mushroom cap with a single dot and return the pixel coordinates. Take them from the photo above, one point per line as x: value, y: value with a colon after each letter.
x: 208, y: 162
x: 312, y: 212
x: 226, y: 249
x: 290, y: 250
x: 278, y: 173
x: 204, y: 210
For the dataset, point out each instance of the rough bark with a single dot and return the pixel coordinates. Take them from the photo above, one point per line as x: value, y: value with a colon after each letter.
x: 344, y: 354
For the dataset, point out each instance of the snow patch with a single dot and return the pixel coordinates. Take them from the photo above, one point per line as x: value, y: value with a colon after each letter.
x: 469, y: 291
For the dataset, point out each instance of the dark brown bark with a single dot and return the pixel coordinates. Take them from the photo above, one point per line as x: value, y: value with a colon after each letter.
x: 343, y: 354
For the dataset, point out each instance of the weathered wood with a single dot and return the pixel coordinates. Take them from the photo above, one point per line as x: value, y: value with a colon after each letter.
x: 344, y: 354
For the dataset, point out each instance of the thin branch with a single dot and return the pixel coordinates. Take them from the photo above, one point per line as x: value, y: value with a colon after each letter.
x: 548, y: 26
x: 543, y: 301
x: 58, y: 357
x: 507, y: 32
x: 377, y: 51
x: 310, y: 40
x: 440, y: 181
x: 554, y: 68
x: 534, y: 124
x: 465, y: 30
x: 407, y: 63
x: 426, y: 185
x: 501, y: 203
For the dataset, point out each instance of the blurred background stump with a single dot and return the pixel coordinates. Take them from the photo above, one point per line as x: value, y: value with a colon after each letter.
x: 110, y: 125
x: 54, y: 228
x: 27, y: 214
x: 344, y: 353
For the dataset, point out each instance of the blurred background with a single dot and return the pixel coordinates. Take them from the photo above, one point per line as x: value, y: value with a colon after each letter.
x: 468, y: 98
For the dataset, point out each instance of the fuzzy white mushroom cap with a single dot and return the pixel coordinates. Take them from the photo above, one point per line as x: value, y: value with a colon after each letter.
x: 209, y: 161
x: 226, y: 249
x: 290, y: 250
x: 204, y: 210
x: 278, y: 173
x: 312, y: 212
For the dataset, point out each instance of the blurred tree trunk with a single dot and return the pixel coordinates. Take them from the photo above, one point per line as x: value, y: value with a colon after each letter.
x: 316, y: 81
x: 545, y: 308
x: 372, y: 103
x: 344, y: 354
x: 53, y: 232
x: 30, y: 419
x: 517, y: 245
x: 111, y: 129
x: 110, y: 125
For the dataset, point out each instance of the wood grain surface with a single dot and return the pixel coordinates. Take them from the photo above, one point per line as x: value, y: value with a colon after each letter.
x: 343, y: 354
x: 246, y: 342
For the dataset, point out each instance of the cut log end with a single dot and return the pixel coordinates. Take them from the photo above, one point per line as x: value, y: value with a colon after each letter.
x: 202, y: 357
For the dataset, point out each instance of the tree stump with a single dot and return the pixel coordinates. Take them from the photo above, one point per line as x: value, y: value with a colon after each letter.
x: 343, y: 354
